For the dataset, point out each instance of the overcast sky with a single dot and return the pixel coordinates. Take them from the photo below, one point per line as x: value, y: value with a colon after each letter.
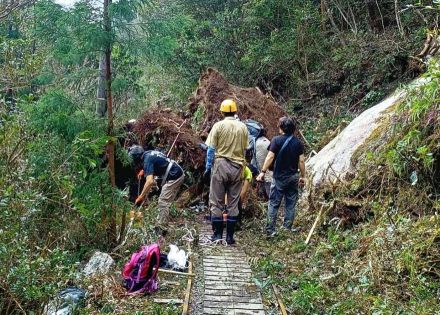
x: 66, y: 3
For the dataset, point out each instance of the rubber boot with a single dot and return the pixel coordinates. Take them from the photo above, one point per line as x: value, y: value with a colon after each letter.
x: 217, y: 229
x: 230, y: 229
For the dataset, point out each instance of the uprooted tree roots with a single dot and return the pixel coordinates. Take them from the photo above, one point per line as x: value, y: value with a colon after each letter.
x: 162, y: 128
x: 252, y: 103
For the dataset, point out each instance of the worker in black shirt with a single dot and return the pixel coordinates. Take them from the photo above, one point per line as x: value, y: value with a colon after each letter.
x: 287, y: 154
x: 155, y: 163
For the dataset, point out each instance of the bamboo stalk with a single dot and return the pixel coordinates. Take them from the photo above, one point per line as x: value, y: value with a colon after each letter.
x: 189, y: 274
x: 178, y: 134
x: 314, y: 226
x: 185, y: 310
x: 280, y: 302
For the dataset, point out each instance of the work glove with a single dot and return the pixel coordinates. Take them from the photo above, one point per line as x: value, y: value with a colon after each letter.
x: 140, y: 174
x: 207, y: 175
x: 139, y: 200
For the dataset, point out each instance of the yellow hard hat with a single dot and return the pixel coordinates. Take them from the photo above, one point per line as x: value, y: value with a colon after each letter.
x: 228, y: 106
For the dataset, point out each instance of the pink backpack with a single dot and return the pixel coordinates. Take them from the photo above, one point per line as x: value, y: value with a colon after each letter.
x: 140, y: 273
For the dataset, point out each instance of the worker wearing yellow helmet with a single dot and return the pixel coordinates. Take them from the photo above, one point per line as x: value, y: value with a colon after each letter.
x: 228, y: 106
x: 227, y: 142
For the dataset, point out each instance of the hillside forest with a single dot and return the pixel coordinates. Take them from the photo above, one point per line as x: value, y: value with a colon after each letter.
x: 72, y: 74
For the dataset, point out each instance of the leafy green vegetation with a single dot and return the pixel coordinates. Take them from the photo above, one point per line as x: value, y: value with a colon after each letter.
x: 323, y: 61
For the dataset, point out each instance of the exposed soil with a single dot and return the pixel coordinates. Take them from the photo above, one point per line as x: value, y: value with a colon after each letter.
x: 160, y: 128
x: 252, y: 103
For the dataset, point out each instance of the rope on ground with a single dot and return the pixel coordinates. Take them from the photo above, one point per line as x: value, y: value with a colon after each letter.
x: 205, y: 240
x: 190, y: 235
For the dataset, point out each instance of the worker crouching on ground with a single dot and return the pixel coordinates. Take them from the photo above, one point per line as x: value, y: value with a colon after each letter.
x: 287, y: 154
x: 228, y: 139
x: 154, y: 163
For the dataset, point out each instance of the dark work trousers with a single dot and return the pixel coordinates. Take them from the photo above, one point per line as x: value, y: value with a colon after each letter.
x: 227, y: 180
x: 287, y: 188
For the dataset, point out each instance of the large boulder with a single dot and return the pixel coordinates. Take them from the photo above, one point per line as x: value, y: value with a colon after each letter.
x: 66, y: 302
x: 99, y: 264
x: 336, y: 160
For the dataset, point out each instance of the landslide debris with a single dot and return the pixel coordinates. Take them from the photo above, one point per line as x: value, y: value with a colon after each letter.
x: 161, y: 128
x: 252, y: 103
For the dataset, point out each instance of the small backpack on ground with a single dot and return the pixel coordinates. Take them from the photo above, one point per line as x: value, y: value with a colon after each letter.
x: 140, y: 273
x: 255, y: 131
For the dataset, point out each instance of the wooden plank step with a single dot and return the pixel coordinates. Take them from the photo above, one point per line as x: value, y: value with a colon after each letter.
x: 227, y: 265
x: 226, y: 257
x: 219, y: 274
x: 232, y: 298
x: 220, y: 286
x: 231, y: 292
x: 233, y: 272
x: 249, y: 312
x: 209, y: 269
x: 234, y: 305
x: 238, y: 284
x: 239, y: 281
x: 222, y: 311
x: 229, y: 276
x: 218, y: 311
x: 225, y: 254
x: 234, y: 268
x: 226, y: 262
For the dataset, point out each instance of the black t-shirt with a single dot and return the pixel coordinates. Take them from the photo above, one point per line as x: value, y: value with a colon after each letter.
x: 286, y: 165
x: 155, y: 163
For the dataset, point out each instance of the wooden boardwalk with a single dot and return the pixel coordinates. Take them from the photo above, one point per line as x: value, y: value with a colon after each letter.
x: 228, y: 285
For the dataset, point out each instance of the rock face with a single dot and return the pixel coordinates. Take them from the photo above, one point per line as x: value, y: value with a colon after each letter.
x: 100, y: 263
x: 335, y: 159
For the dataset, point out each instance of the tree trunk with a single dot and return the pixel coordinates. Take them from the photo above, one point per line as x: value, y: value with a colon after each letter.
x: 398, y: 21
x: 376, y: 21
x: 323, y: 14
x: 101, y: 106
x: 110, y: 131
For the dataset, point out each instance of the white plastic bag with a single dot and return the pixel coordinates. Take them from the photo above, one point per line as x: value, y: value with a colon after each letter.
x: 177, y: 258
